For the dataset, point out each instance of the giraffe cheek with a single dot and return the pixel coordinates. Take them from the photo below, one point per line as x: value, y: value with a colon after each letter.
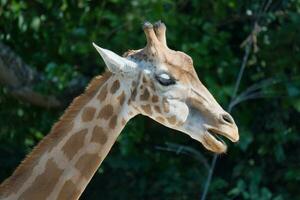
x: 178, y: 109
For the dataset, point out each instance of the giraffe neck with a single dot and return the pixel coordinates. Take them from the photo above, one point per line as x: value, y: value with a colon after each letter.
x: 61, y: 166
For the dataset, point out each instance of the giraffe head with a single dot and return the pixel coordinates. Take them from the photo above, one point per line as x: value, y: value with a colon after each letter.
x: 166, y: 88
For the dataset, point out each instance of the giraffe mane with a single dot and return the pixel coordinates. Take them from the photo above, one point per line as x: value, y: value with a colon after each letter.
x: 65, y: 123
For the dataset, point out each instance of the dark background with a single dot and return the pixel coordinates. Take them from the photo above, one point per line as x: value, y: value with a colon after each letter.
x: 148, y: 160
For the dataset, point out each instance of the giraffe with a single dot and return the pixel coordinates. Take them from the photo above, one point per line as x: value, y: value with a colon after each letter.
x: 154, y: 81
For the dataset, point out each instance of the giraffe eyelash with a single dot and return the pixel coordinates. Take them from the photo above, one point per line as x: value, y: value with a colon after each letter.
x: 165, y: 79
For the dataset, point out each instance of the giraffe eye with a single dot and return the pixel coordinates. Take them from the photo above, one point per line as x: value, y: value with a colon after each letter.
x: 165, y: 79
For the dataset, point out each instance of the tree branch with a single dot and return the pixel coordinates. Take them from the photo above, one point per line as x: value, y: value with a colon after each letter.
x: 186, y: 150
x: 250, y: 41
x: 19, y: 79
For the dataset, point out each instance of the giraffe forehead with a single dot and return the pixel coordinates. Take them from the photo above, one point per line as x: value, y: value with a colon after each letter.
x: 160, y: 54
x: 184, y: 73
x: 178, y: 68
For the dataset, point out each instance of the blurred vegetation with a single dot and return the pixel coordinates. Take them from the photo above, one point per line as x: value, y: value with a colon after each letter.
x: 55, y: 37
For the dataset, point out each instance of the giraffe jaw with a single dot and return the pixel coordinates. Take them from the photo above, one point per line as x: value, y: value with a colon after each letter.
x: 209, y: 133
x: 212, y: 138
x: 213, y: 142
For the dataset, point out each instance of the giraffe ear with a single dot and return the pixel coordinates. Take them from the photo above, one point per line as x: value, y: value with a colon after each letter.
x: 115, y: 63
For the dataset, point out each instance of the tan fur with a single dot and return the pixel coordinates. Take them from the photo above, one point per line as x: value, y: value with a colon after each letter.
x: 172, y: 120
x: 68, y: 191
x: 166, y: 106
x: 160, y: 119
x: 81, y: 165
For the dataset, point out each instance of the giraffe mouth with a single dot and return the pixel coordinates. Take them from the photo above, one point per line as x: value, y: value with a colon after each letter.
x: 222, y: 134
x: 213, y: 140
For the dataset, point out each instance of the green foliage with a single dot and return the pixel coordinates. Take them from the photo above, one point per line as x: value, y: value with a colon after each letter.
x: 55, y: 37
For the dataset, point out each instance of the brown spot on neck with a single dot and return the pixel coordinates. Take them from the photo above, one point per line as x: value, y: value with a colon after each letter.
x: 69, y: 191
x: 44, y: 183
x: 121, y: 98
x: 152, y: 86
x: 144, y: 79
x: 103, y: 93
x: 155, y: 98
x: 123, y: 122
x: 113, y: 122
x: 160, y: 119
x: 106, y: 112
x: 88, y: 164
x: 133, y: 95
x: 99, y: 136
x: 145, y: 96
x: 157, y: 109
x: 115, y: 86
x: 147, y: 109
x: 172, y: 120
x: 75, y: 142
x: 166, y: 106
x: 133, y: 84
x: 88, y: 114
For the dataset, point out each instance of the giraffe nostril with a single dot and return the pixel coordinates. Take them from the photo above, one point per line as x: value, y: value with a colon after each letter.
x: 227, y: 118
